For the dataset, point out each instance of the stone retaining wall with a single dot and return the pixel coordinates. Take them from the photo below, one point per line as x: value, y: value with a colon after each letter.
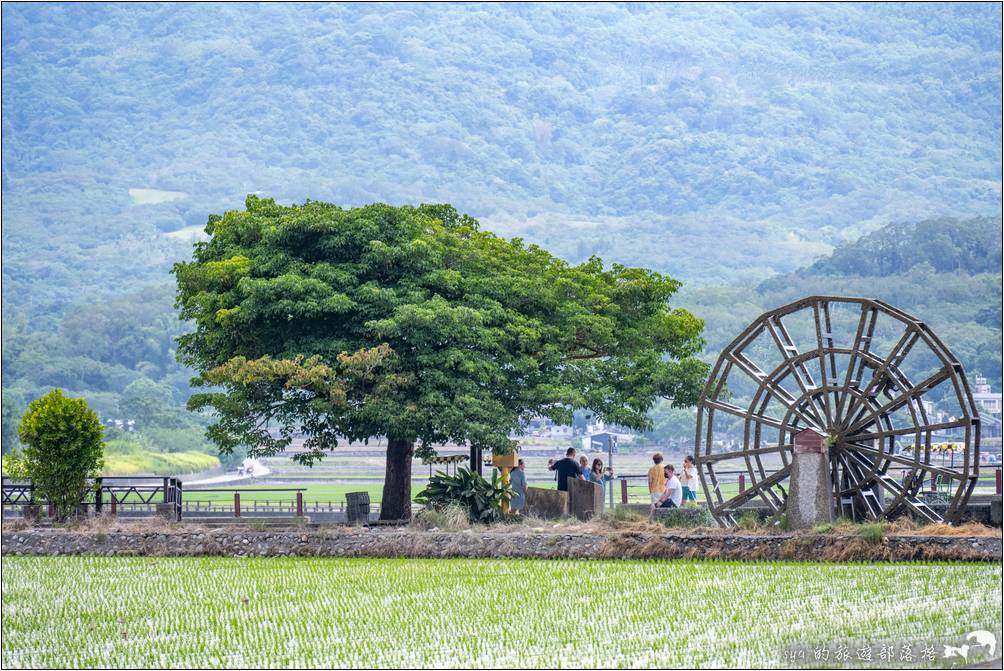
x: 408, y: 543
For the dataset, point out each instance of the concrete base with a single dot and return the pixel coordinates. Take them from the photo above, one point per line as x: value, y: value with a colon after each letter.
x: 810, y: 490
x: 168, y: 511
x: 585, y: 499
x: 548, y: 504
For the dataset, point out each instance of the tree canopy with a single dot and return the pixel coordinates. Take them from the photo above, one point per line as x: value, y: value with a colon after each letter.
x: 63, y: 448
x: 415, y: 324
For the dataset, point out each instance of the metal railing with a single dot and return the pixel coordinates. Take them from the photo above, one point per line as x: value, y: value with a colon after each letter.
x: 933, y: 486
x: 105, y: 494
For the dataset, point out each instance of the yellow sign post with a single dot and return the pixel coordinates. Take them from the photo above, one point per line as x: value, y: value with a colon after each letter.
x: 505, y: 463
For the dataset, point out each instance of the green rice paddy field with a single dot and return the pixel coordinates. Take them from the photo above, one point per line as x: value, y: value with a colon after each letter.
x: 313, y: 612
x: 338, y: 474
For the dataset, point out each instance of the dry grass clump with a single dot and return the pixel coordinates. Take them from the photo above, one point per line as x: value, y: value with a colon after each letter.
x: 967, y: 529
x: 445, y: 518
x: 106, y: 524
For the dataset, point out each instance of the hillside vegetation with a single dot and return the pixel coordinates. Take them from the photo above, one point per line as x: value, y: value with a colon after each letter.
x: 727, y: 146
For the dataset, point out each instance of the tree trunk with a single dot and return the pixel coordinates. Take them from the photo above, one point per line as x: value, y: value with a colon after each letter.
x: 396, y: 502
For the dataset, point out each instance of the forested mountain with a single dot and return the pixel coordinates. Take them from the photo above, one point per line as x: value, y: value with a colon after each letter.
x: 954, y: 286
x: 722, y: 144
x: 970, y: 247
x: 711, y: 141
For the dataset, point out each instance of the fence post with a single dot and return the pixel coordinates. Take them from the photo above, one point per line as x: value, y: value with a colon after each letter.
x: 299, y: 504
x: 177, y: 496
x: 997, y: 481
x: 237, y: 504
x: 97, y: 495
x: 115, y: 504
x: 742, y: 483
x: 624, y: 491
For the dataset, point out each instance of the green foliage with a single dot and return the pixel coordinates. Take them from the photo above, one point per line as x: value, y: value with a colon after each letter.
x: 149, y: 404
x: 137, y: 454
x: 480, y: 498
x: 413, y: 323
x: 749, y: 520
x: 690, y: 518
x: 98, y: 351
x: 970, y: 246
x: 636, y: 132
x: 671, y: 424
x: 14, y: 466
x: 9, y: 423
x: 873, y: 532
x: 718, y: 146
x: 63, y: 448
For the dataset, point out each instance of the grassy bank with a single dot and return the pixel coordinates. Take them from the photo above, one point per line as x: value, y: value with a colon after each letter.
x: 132, y: 457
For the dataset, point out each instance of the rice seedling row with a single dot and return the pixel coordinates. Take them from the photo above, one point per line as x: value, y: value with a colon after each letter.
x: 315, y: 612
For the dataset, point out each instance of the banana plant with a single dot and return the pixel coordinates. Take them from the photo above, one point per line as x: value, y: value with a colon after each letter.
x: 481, y: 498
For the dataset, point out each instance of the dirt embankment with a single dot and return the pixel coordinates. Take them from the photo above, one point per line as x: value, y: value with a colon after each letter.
x: 179, y: 540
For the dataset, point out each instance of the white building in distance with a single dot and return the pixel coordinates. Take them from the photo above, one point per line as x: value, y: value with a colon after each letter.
x: 985, y: 399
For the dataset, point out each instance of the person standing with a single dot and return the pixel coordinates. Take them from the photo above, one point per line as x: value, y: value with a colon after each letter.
x: 600, y: 476
x: 565, y: 468
x: 672, y: 496
x: 689, y: 480
x: 517, y: 480
x: 656, y: 478
x: 584, y: 467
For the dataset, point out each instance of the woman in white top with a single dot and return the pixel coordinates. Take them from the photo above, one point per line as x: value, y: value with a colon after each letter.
x: 689, y: 480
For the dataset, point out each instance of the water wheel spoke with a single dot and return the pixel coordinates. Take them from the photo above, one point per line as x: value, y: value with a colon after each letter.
x: 864, y: 436
x: 739, y: 454
x: 745, y: 414
x: 765, y: 381
x: 755, y: 489
x: 906, y: 461
x: 896, y: 356
x: 796, y: 367
x: 860, y: 347
x: 824, y: 332
x: 897, y: 402
x: 901, y: 494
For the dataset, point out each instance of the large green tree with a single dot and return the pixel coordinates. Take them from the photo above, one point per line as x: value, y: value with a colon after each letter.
x: 414, y: 324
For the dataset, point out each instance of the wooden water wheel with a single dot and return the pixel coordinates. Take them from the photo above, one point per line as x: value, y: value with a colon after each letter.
x: 877, y: 383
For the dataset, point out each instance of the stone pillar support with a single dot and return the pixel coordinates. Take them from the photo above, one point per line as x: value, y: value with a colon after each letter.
x: 810, y: 490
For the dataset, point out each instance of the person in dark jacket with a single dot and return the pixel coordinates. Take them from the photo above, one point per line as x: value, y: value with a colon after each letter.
x: 565, y: 468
